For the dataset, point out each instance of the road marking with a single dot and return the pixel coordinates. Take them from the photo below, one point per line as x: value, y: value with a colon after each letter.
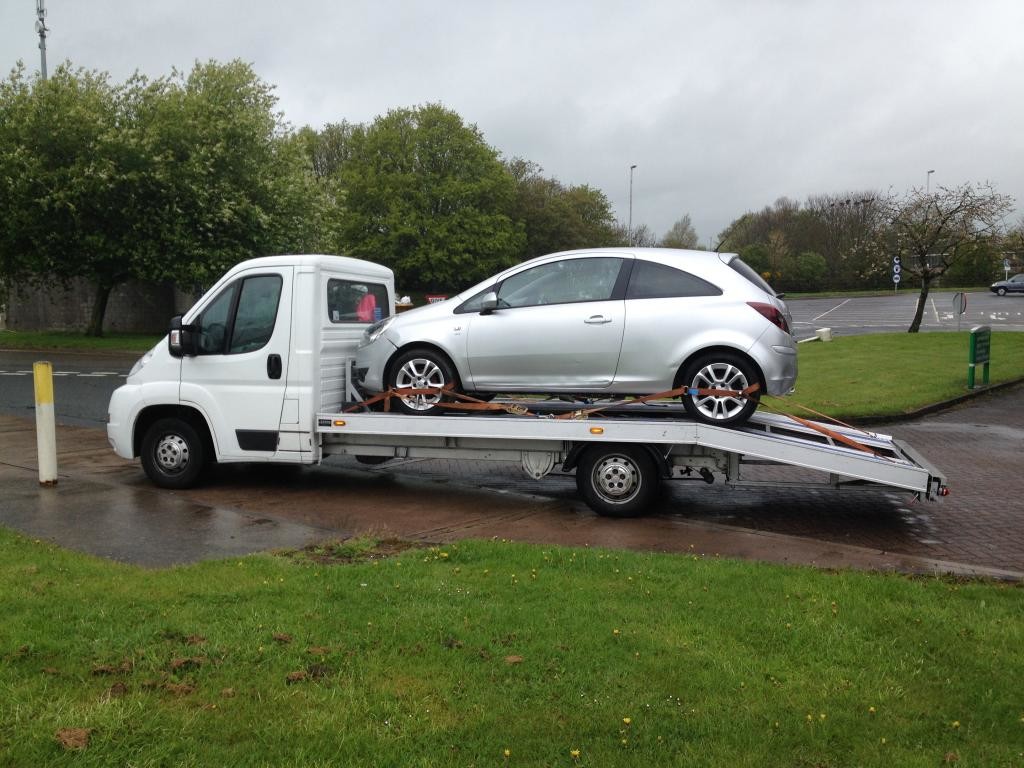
x: 13, y: 373
x: 831, y: 310
x: 935, y: 310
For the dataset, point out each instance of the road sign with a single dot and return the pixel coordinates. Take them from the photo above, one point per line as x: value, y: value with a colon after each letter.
x: 1006, y: 263
x: 895, y: 269
x: 960, y: 302
x: 896, y: 277
x: 895, y: 259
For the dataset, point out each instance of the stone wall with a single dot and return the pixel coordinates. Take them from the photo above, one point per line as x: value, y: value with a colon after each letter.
x: 133, y: 307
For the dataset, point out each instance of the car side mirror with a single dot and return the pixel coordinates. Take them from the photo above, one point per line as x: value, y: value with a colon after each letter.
x: 488, y: 303
x: 181, y: 338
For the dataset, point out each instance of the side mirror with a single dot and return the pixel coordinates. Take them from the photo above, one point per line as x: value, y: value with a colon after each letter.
x: 488, y: 303
x: 180, y: 338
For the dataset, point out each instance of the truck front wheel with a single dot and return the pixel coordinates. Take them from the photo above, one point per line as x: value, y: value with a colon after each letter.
x: 617, y: 480
x: 173, y: 453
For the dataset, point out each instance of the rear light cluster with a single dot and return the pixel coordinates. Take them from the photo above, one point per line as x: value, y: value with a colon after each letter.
x: 771, y: 314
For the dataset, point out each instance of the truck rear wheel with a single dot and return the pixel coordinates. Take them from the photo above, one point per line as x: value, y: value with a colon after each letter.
x: 617, y: 480
x: 173, y: 453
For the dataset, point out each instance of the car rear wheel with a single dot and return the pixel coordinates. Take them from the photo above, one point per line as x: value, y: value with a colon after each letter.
x: 421, y: 369
x: 723, y: 371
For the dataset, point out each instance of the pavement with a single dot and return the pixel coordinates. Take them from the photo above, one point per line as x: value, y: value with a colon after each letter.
x: 105, y: 506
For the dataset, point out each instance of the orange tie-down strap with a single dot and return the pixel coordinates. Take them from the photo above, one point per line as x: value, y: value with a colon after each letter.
x: 465, y: 402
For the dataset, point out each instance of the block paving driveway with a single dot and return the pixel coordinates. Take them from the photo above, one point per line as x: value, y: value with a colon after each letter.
x: 979, y: 446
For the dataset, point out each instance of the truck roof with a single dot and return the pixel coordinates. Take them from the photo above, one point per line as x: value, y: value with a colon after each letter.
x: 320, y: 260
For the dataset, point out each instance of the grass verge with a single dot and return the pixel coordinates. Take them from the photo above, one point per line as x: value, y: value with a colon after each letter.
x: 112, y: 342
x: 879, y: 375
x: 499, y: 654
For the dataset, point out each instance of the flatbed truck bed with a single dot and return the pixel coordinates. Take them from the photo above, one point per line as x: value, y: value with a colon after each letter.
x: 622, y: 454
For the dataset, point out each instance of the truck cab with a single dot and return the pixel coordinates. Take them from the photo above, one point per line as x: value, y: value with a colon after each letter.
x: 241, y: 375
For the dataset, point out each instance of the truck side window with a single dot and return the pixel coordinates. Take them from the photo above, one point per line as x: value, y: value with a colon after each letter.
x: 213, y: 323
x: 245, y: 312
x: 354, y: 301
x: 256, y: 314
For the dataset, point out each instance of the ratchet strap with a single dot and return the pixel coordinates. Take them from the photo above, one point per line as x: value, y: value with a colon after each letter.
x: 463, y: 402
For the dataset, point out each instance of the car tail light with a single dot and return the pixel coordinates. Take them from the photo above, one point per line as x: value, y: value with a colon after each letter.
x: 771, y: 314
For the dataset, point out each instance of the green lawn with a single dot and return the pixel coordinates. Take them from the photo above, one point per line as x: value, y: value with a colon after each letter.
x: 452, y: 656
x: 861, y: 377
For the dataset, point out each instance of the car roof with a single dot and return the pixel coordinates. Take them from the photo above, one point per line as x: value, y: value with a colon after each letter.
x: 657, y: 254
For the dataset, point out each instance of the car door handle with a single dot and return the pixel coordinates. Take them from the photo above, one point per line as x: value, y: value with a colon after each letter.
x: 597, y: 320
x: 274, y: 366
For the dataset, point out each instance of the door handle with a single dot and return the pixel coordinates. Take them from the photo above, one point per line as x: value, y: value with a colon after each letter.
x: 274, y: 366
x: 597, y: 320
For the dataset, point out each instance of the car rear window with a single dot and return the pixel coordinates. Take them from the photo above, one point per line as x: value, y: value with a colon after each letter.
x: 748, y: 272
x: 651, y: 280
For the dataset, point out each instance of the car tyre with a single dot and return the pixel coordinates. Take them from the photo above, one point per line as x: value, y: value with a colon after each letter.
x: 720, y: 370
x: 421, y: 369
x: 617, y: 480
x: 173, y: 453
x: 1001, y: 291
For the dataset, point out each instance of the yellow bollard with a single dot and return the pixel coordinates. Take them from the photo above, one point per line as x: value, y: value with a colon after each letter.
x: 46, y: 430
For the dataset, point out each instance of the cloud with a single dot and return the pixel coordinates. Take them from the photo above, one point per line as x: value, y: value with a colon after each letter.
x: 724, y: 107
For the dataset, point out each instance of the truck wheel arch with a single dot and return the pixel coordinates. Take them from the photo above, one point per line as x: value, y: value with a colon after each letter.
x: 151, y: 414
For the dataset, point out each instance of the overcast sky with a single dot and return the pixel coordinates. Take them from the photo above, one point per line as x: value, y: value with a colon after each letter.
x: 724, y: 106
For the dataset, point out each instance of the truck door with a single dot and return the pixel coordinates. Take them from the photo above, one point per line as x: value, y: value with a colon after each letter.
x: 238, y: 377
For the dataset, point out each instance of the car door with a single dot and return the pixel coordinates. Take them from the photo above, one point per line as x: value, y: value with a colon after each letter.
x: 557, y: 326
x: 238, y: 377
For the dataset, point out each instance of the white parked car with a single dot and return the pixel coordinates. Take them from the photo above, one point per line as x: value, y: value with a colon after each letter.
x: 601, y: 322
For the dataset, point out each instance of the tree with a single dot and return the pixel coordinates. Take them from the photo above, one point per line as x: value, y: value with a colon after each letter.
x: 681, y: 235
x: 641, y: 237
x: 555, y: 217
x: 172, y: 179
x: 932, y: 231
x: 428, y: 197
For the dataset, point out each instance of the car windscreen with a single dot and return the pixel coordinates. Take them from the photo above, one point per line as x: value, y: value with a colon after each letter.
x: 748, y: 272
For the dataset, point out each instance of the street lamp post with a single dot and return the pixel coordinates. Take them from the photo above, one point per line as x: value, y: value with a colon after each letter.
x: 928, y: 181
x: 42, y: 30
x: 629, y: 230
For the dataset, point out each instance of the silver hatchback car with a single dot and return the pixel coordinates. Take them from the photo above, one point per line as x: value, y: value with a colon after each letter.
x: 601, y: 322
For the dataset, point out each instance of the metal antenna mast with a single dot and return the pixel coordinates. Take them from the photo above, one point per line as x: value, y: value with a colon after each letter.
x: 42, y: 30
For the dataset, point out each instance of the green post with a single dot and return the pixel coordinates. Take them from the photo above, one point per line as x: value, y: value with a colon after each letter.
x: 981, y: 343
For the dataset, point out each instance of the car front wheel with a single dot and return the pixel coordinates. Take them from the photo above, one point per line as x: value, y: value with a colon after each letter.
x: 1001, y: 291
x: 421, y: 369
x: 722, y: 371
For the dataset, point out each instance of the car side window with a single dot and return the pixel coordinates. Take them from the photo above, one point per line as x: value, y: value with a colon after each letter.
x: 245, y: 312
x: 561, y: 282
x: 356, y: 301
x: 651, y: 280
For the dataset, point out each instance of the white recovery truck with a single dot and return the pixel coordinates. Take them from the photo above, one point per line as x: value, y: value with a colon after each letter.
x: 259, y: 371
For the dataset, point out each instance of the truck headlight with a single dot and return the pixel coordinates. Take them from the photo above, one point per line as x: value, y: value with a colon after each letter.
x: 140, y: 363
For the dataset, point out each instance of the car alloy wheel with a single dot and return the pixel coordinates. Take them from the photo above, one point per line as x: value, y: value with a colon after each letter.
x: 719, y: 371
x: 421, y: 369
